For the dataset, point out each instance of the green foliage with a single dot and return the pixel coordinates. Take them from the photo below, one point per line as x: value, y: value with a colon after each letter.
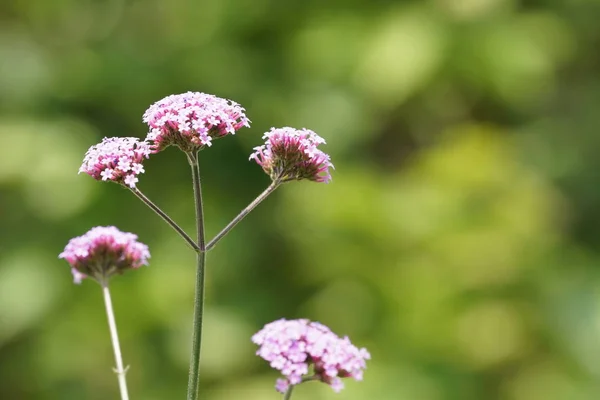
x: 457, y: 241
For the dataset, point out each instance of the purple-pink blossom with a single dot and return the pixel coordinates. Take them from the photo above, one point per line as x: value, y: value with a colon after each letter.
x: 117, y: 159
x: 295, y: 346
x: 192, y: 120
x: 102, y: 252
x: 292, y: 154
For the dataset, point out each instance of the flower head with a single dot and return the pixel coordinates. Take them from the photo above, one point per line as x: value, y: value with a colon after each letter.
x: 292, y: 154
x: 102, y: 252
x: 117, y: 159
x: 292, y: 346
x: 192, y: 120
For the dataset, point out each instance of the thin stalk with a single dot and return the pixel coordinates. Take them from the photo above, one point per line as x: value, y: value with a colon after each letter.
x: 242, y: 214
x: 288, y: 393
x: 194, y: 375
x: 193, y: 159
x: 114, y: 337
x: 165, y: 218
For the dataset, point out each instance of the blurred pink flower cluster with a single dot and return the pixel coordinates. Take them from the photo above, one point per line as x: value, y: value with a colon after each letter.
x: 104, y: 251
x: 293, y: 346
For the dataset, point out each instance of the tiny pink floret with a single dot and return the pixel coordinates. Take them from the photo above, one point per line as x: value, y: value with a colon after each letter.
x: 102, y: 252
x: 292, y: 346
x: 192, y: 120
x: 117, y: 159
x: 292, y: 154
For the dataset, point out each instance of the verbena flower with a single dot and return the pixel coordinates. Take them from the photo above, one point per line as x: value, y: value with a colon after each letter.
x: 117, y: 159
x: 294, y: 346
x: 192, y: 120
x: 102, y: 252
x: 292, y: 154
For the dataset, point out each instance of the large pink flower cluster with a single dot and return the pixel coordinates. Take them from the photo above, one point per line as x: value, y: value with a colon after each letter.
x: 293, y: 346
x: 104, y: 251
x: 192, y: 120
x: 292, y: 154
x: 117, y: 159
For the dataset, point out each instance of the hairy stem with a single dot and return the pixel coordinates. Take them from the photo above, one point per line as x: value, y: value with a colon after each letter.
x: 165, y: 218
x: 242, y: 214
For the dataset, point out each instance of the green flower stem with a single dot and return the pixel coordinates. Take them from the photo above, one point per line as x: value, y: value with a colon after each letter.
x: 112, y: 326
x: 193, y: 160
x: 165, y: 218
x: 288, y: 393
x: 194, y: 375
x: 242, y: 214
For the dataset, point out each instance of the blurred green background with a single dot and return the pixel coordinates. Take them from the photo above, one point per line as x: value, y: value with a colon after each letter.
x: 458, y: 240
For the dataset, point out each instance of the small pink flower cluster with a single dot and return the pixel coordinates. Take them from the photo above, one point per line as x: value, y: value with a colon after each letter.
x: 117, y: 159
x: 192, y: 120
x: 292, y: 346
x: 104, y: 251
x: 292, y: 154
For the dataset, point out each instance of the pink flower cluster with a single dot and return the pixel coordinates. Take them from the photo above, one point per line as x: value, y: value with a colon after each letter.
x: 192, y: 120
x: 104, y: 251
x: 117, y: 159
x: 292, y: 346
x: 292, y: 154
